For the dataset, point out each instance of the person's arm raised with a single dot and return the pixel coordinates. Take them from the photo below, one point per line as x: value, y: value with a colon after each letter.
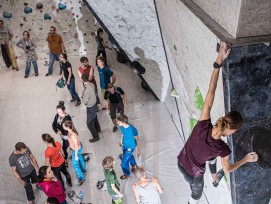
x: 209, y: 99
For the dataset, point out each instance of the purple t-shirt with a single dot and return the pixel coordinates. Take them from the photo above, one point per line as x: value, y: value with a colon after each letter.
x: 201, y: 147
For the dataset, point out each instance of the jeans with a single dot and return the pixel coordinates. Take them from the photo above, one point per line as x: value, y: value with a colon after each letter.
x: 79, y: 166
x: 92, y: 121
x: 62, y: 169
x: 71, y: 88
x: 116, y: 199
x: 31, y: 178
x: 28, y: 65
x: 127, y: 158
x: 99, y: 52
x: 196, y: 183
x: 54, y: 57
x: 5, y: 55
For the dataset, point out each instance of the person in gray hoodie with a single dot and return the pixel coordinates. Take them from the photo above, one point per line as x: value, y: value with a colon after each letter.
x: 90, y: 101
x: 30, y: 54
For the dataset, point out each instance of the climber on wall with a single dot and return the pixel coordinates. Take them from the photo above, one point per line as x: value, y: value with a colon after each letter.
x: 205, y: 144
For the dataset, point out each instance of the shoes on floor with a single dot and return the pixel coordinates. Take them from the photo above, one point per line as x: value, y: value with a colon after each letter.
x: 124, y: 177
x: 78, y: 103
x: 220, y: 175
x: 17, y: 69
x: 80, y: 182
x: 94, y: 140
x: 73, y: 99
x: 36, y: 74
x: 25, y: 77
x: 115, y: 129
x: 48, y: 74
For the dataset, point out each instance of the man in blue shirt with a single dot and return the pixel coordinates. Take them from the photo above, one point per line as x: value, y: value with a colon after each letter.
x: 129, y: 142
x: 105, y: 75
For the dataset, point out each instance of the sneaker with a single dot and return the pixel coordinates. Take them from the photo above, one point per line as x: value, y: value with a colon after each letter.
x: 115, y: 129
x: 25, y: 77
x: 78, y: 103
x: 80, y: 182
x: 48, y: 74
x: 94, y: 140
x: 11, y: 67
x: 17, y: 69
x: 36, y: 74
x: 73, y: 99
x: 220, y: 175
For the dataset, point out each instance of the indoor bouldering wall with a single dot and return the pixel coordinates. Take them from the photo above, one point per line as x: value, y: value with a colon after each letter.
x: 71, y: 19
x: 247, y: 82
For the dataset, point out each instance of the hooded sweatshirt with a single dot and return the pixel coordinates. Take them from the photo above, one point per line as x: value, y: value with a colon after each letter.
x: 53, y: 189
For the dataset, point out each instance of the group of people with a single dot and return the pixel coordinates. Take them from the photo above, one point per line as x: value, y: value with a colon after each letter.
x: 49, y: 176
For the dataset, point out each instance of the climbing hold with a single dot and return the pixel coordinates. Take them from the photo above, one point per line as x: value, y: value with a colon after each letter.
x: 192, y: 123
x: 174, y: 93
x: 73, y: 19
x: 53, y: 7
x: 24, y: 18
x: 61, y: 6
x: 175, y: 47
x: 86, y: 20
x: 85, y: 34
x: 16, y: 36
x: 76, y: 35
x: 29, y: 29
x: 7, y: 15
x: 57, y: 10
x: 77, y: 16
x: 85, y: 49
x: 198, y: 99
x: 28, y: 10
x: 46, y: 63
x: 70, y: 25
x: 71, y: 8
x: 47, y: 17
x: 21, y: 24
x: 86, y: 41
x: 74, y: 50
x: 73, y: 14
x: 40, y: 28
x: 25, y: 4
x: 39, y: 6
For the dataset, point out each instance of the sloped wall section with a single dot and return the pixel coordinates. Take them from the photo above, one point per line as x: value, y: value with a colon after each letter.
x: 135, y: 27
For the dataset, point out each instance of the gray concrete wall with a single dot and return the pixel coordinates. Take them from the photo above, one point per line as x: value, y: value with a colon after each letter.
x: 255, y: 18
x: 191, y: 50
x: 226, y: 13
x: 134, y: 25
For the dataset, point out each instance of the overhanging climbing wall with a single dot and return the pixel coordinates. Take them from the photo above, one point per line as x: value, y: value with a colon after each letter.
x: 134, y: 25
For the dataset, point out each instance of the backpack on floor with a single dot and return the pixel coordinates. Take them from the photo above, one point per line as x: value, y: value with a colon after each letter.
x: 101, y: 185
x: 121, y: 56
x: 60, y: 83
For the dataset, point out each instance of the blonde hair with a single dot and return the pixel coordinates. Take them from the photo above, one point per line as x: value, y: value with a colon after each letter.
x: 139, y: 172
x: 232, y: 120
x: 108, y: 162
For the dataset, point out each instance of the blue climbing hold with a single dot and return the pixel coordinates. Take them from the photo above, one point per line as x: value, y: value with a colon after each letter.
x: 28, y: 10
x: 7, y: 15
x: 47, y: 17
x: 61, y: 6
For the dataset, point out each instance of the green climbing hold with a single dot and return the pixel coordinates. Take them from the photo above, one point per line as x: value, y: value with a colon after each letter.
x: 192, y: 123
x: 175, y: 47
x: 198, y: 99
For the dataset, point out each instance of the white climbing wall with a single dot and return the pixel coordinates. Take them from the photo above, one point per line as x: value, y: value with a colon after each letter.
x: 134, y: 25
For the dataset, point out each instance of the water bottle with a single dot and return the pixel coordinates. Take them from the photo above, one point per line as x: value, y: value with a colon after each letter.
x: 81, y: 195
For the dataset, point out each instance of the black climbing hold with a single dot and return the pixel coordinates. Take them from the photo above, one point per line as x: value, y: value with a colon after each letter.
x: 21, y: 24
x: 25, y: 4
x: 39, y: 6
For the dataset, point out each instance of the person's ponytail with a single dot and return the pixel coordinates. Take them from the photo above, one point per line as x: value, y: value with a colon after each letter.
x: 232, y: 120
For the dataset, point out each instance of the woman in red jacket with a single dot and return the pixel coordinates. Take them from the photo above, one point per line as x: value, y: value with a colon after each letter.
x: 50, y: 185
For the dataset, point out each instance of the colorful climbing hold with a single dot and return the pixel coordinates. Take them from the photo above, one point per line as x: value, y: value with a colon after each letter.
x: 7, y: 15
x: 25, y: 4
x: 192, y: 123
x: 21, y: 24
x: 198, y: 99
x: 24, y: 18
x: 76, y: 35
x: 62, y: 6
x: 47, y: 17
x: 27, y: 10
x: 175, y: 47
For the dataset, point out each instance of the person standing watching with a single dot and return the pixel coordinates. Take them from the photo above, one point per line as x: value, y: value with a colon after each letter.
x: 24, y: 167
x: 6, y: 48
x: 205, y: 144
x: 116, y: 100
x: 89, y: 99
x: 54, y: 156
x: 56, y: 47
x: 69, y: 77
x: 30, y: 54
x: 101, y: 45
x: 105, y: 75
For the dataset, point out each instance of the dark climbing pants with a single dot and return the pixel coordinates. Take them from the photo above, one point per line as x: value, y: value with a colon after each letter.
x: 5, y: 54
